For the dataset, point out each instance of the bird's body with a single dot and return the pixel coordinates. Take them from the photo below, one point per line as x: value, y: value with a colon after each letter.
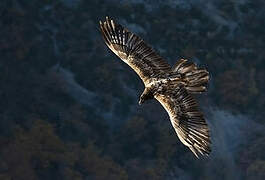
x: 171, y: 86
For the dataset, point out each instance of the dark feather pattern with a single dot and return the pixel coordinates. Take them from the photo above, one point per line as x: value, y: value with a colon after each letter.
x: 133, y: 51
x: 196, y: 79
x: 170, y: 86
x: 186, y: 119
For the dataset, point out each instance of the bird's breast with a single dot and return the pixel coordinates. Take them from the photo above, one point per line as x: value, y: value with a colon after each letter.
x: 166, y: 86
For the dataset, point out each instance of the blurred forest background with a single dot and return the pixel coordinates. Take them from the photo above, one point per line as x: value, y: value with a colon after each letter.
x: 69, y: 107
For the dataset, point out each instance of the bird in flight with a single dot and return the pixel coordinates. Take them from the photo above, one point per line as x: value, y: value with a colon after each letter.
x: 171, y: 86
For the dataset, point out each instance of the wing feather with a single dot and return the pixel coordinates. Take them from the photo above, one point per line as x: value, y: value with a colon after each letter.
x: 186, y: 119
x: 133, y: 51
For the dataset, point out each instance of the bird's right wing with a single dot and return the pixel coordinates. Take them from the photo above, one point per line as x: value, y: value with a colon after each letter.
x: 186, y: 119
x: 133, y: 51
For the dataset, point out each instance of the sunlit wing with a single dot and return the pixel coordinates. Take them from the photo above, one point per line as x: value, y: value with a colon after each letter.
x: 133, y: 51
x: 186, y: 119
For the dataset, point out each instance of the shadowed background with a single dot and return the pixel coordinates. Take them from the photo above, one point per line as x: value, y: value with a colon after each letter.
x: 69, y: 107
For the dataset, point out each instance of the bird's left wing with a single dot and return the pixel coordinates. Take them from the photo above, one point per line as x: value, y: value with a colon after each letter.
x: 133, y: 51
x: 186, y: 119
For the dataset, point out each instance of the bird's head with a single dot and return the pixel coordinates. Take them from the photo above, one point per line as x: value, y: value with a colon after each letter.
x: 141, y: 100
x: 145, y: 96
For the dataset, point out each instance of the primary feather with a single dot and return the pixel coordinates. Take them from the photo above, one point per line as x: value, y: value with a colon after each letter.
x: 133, y: 51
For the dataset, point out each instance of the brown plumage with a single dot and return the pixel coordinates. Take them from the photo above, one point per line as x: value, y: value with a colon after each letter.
x: 171, y: 86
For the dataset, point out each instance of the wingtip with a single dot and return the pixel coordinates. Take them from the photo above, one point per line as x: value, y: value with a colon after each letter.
x: 107, y: 18
x: 199, y: 152
x: 193, y: 150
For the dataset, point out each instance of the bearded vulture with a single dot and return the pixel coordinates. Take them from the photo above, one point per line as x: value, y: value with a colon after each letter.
x: 171, y: 86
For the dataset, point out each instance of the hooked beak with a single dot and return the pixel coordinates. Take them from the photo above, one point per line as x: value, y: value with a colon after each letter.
x: 140, y: 102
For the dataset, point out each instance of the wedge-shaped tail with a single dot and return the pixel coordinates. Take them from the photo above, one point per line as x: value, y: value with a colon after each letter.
x: 196, y: 79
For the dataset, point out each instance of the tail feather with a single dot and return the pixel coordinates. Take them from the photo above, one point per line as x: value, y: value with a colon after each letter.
x: 196, y: 79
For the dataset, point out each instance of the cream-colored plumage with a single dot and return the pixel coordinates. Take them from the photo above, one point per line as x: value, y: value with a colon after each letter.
x: 171, y: 86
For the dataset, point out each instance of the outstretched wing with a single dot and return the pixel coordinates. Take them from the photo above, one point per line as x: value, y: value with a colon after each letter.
x: 186, y: 119
x: 133, y: 51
